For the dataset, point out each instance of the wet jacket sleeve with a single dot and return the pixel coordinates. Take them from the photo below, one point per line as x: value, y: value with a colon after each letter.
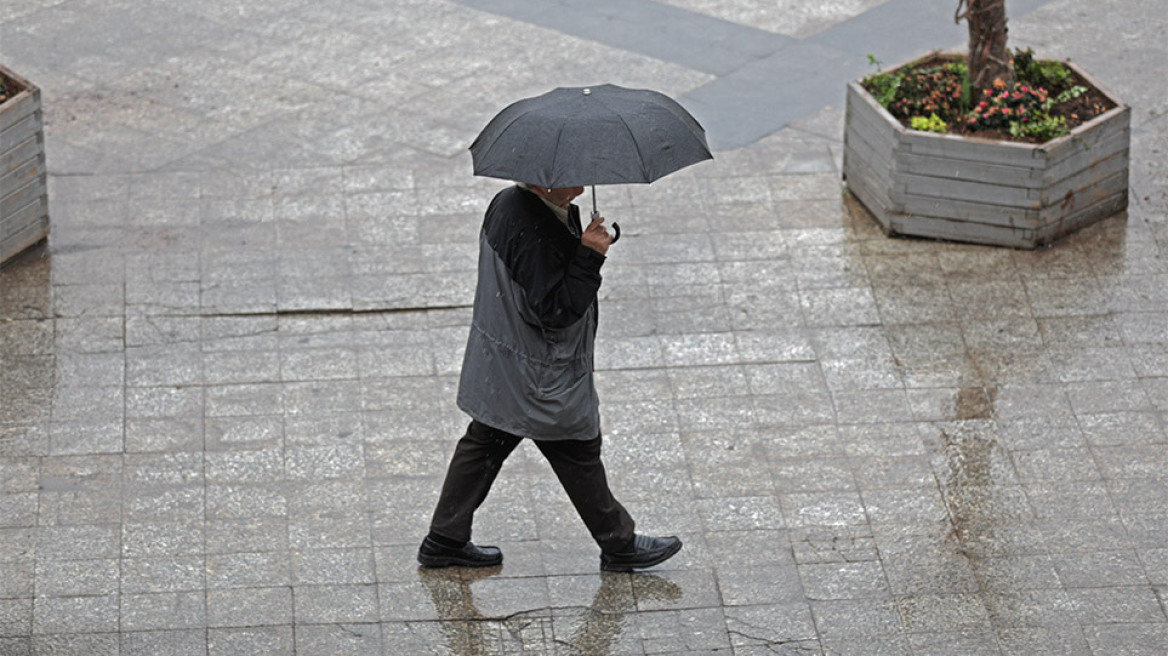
x: 561, y: 296
x: 558, y: 273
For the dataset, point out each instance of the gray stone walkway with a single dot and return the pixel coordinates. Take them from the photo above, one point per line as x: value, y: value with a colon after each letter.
x: 771, y: 65
x: 227, y: 382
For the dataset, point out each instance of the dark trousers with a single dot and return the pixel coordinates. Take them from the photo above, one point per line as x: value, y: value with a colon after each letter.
x: 481, y: 453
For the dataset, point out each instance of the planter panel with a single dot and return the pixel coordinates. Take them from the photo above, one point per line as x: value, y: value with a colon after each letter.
x: 948, y: 146
x: 970, y: 211
x: 876, y: 201
x: 879, y: 163
x: 1097, y: 143
x: 1072, y: 163
x: 866, y: 142
x: 1006, y: 176
x: 972, y: 190
x: 23, y: 152
x: 24, y: 216
x: 13, y: 112
x: 23, y: 225
x: 956, y: 230
x: 1080, y: 184
x: 980, y: 190
x: 1103, y: 198
x: 866, y: 119
x: 869, y: 154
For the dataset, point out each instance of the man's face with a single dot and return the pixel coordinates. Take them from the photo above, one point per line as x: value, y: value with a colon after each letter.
x: 560, y: 197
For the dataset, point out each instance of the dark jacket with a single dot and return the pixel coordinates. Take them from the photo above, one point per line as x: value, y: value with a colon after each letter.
x: 528, y: 363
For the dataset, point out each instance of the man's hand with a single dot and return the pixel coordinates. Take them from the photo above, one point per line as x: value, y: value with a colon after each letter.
x: 596, y: 236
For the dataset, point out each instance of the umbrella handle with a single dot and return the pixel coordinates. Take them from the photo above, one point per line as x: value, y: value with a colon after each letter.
x: 615, y: 227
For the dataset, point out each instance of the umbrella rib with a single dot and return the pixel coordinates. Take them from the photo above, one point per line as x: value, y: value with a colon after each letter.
x: 555, y: 154
x: 636, y: 144
x: 500, y: 129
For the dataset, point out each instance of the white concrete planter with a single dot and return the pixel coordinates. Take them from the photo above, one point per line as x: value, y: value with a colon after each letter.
x: 981, y: 190
x: 24, y: 206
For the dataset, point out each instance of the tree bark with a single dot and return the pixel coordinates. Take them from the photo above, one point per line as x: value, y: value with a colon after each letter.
x: 989, y: 58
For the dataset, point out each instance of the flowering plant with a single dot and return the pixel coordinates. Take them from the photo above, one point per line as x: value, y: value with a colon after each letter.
x: 936, y: 90
x: 1035, y: 107
x: 1006, y: 104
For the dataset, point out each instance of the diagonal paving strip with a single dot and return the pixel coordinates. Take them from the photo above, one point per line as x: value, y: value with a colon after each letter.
x: 696, y: 41
x: 764, y: 80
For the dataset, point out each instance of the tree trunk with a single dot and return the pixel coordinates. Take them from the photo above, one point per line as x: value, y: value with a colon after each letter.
x: 989, y: 59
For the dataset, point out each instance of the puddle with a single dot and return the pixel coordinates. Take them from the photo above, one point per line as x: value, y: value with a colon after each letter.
x: 975, y: 403
x: 27, y: 364
x: 596, y: 629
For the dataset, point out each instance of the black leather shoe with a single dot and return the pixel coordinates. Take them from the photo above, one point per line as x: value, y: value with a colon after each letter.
x: 646, y: 552
x: 432, y: 554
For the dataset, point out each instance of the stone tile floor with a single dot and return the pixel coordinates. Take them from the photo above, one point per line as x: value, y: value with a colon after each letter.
x: 226, y: 384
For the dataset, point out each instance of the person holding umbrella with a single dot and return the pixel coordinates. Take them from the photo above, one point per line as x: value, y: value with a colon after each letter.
x: 528, y: 367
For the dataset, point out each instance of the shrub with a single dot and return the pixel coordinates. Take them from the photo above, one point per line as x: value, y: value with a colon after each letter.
x: 1006, y: 104
x: 883, y: 86
x: 934, y: 96
x: 1043, y: 127
x: 931, y: 124
x: 1069, y: 94
x: 934, y: 90
x: 1047, y: 74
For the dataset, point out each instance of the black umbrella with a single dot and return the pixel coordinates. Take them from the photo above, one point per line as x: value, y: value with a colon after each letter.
x: 577, y: 136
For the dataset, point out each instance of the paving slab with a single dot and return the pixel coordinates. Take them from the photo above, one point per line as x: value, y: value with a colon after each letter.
x: 227, y: 380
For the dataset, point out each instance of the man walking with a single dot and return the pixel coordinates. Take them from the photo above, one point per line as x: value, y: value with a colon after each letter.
x: 527, y: 373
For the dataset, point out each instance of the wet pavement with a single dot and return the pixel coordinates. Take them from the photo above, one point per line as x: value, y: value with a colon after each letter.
x: 227, y: 382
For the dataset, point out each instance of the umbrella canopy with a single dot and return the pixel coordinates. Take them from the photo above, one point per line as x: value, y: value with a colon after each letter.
x: 576, y: 136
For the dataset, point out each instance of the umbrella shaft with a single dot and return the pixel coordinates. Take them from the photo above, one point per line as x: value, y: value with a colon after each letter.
x: 596, y: 215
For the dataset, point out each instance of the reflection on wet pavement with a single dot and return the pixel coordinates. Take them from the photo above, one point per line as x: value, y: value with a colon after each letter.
x: 27, y: 368
x: 595, y: 629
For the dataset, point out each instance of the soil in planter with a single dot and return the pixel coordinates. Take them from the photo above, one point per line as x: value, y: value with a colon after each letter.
x: 8, y: 88
x: 946, y: 82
